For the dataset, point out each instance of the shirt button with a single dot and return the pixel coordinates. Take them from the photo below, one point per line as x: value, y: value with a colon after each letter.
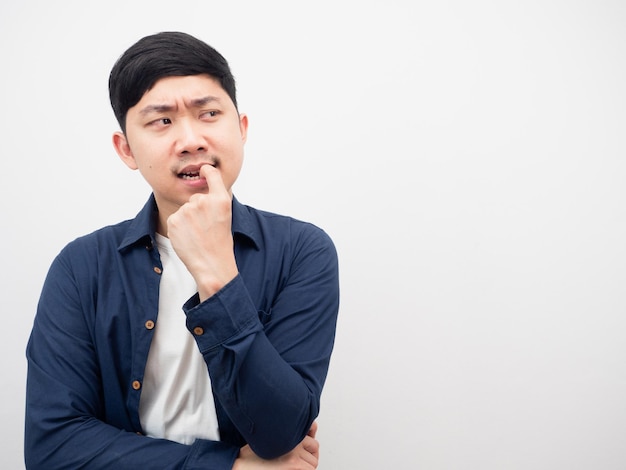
x: 198, y: 331
x: 136, y: 384
x: 157, y: 270
x: 149, y: 324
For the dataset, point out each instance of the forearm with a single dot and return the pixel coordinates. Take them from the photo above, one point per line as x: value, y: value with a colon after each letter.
x: 94, y: 445
x: 270, y: 402
x: 270, y: 390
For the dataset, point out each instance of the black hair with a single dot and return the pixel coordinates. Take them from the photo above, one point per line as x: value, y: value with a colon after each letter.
x: 165, y: 54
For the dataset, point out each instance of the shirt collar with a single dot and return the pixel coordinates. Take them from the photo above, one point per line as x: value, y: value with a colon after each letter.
x: 143, y: 227
x: 244, y: 224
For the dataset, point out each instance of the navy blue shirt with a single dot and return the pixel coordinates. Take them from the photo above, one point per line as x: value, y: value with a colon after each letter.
x: 266, y: 338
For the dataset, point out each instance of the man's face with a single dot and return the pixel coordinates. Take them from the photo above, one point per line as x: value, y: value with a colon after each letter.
x: 179, y: 125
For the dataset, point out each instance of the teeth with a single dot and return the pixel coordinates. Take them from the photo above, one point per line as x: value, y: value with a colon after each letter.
x: 189, y: 176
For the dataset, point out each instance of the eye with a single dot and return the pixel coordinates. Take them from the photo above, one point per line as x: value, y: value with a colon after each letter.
x: 161, y: 122
x: 210, y: 115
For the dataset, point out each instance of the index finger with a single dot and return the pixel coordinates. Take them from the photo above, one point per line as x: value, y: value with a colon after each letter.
x: 213, y: 178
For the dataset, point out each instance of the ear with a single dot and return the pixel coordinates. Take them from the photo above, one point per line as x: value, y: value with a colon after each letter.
x: 120, y: 142
x: 243, y: 127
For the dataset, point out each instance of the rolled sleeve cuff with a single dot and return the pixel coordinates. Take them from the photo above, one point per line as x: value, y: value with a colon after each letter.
x: 229, y: 313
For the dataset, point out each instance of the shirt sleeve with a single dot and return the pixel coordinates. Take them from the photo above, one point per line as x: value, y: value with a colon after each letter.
x: 66, y: 403
x: 268, y: 375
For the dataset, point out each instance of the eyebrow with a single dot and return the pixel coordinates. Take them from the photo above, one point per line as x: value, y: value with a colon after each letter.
x: 199, y: 102
x: 164, y: 108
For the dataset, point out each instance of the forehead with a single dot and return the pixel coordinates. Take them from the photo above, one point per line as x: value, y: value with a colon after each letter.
x: 169, y: 90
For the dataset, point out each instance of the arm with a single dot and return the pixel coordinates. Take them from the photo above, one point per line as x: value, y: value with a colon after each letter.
x: 66, y: 402
x: 268, y: 378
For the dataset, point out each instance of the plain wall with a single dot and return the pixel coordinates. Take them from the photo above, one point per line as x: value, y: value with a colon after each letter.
x: 467, y: 158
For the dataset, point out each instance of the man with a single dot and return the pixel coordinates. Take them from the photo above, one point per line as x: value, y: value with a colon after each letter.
x: 197, y: 335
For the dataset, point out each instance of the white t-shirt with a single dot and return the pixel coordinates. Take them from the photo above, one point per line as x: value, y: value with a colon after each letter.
x: 176, y: 400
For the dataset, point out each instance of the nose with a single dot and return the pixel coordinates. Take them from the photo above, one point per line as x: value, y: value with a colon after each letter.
x: 189, y: 138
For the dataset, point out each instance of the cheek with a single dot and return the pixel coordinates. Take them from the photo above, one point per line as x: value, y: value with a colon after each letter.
x: 232, y: 163
x: 150, y: 156
x: 147, y: 143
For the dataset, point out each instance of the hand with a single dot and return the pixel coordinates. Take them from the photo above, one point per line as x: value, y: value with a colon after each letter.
x: 200, y: 232
x: 304, y: 457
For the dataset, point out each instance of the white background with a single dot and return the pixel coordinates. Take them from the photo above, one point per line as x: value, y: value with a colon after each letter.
x: 468, y: 159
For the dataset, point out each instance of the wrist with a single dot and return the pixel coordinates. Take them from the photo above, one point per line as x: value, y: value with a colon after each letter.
x: 209, y: 287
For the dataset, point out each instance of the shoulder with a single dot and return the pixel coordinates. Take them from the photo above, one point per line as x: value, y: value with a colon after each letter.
x: 120, y: 236
x: 81, y: 261
x: 102, y: 242
x: 278, y: 227
x: 300, y: 247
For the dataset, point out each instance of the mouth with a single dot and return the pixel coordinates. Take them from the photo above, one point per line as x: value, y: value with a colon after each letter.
x: 189, y: 176
x: 192, y: 172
